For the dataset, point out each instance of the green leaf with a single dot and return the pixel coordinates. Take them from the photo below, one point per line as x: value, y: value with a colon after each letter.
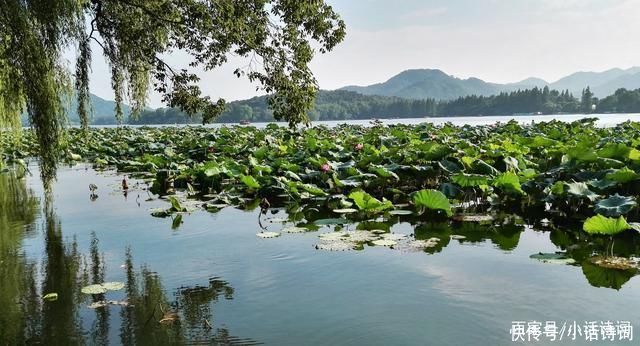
x: 509, y: 182
x: 470, y: 180
x: 383, y: 172
x: 616, y: 151
x: 623, y: 175
x: 50, y: 297
x: 555, y: 258
x: 113, y: 286
x: 605, y: 225
x: 432, y: 199
x: 366, y: 202
x: 93, y: 289
x: 581, y: 190
x: 176, y: 222
x: 175, y: 204
x: 250, y: 181
x: 615, y: 205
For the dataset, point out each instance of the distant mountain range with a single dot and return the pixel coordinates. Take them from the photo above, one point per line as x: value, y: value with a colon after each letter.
x: 419, y: 84
x: 101, y: 111
x: 432, y: 83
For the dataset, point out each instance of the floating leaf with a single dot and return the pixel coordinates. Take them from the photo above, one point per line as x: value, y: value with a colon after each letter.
x: 93, y: 289
x: 384, y: 242
x: 336, y: 221
x: 294, y: 230
x: 332, y: 235
x: 335, y: 245
x: 423, y: 244
x: 400, y: 212
x: 50, y: 297
x: 554, y: 258
x: 113, y: 286
x: 265, y: 235
x: 605, y: 225
x: 615, y: 205
x: 433, y: 199
x: 473, y: 218
x: 394, y: 236
x: 345, y: 211
x: 360, y: 236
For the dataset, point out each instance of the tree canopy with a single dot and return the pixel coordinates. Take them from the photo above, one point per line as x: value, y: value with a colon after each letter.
x: 135, y: 36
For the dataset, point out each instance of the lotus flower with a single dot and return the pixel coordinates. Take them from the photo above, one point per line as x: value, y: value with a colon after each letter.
x: 359, y: 146
x: 325, y: 168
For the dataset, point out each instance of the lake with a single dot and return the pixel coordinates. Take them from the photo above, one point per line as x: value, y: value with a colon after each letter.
x: 211, y: 280
x: 603, y: 120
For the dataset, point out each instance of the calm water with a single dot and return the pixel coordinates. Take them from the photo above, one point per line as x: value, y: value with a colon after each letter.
x: 231, y: 287
x: 604, y: 120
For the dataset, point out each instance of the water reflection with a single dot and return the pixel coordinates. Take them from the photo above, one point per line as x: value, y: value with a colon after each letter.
x: 146, y: 314
x: 502, y: 229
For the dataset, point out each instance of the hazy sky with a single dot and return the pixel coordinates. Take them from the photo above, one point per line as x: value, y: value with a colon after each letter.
x: 495, y: 40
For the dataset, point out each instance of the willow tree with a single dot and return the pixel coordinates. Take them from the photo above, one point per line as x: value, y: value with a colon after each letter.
x: 278, y: 37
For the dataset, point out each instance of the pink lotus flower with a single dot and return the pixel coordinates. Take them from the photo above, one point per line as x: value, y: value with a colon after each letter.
x: 325, y: 168
x: 359, y: 146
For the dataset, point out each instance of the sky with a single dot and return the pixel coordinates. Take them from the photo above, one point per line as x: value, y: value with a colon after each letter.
x: 498, y: 41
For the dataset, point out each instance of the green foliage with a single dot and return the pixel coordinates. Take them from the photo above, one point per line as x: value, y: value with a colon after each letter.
x: 368, y: 203
x: 134, y: 36
x: 615, y: 205
x: 605, y: 225
x: 509, y: 182
x: 432, y: 199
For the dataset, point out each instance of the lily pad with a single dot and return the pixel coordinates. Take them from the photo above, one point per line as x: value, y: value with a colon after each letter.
x: 423, y: 244
x: 345, y: 211
x: 615, y: 205
x: 335, y: 245
x: 473, y: 217
x: 394, y: 236
x: 384, y: 242
x: 294, y: 230
x: 113, y: 286
x: 332, y: 235
x: 554, y: 258
x: 360, y: 236
x: 265, y: 235
x: 336, y: 221
x: 50, y: 297
x: 400, y: 212
x: 93, y: 289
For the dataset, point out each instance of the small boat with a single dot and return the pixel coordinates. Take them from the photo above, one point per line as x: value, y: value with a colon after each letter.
x: 244, y: 122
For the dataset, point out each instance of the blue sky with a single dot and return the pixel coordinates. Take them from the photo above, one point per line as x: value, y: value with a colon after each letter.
x: 495, y: 40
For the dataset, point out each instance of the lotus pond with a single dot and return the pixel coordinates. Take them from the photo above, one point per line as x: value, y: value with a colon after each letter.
x: 348, y: 235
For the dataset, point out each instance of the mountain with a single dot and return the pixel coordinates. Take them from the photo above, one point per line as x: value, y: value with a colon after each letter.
x: 528, y: 83
x: 103, y: 111
x: 431, y: 83
x: 427, y: 83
